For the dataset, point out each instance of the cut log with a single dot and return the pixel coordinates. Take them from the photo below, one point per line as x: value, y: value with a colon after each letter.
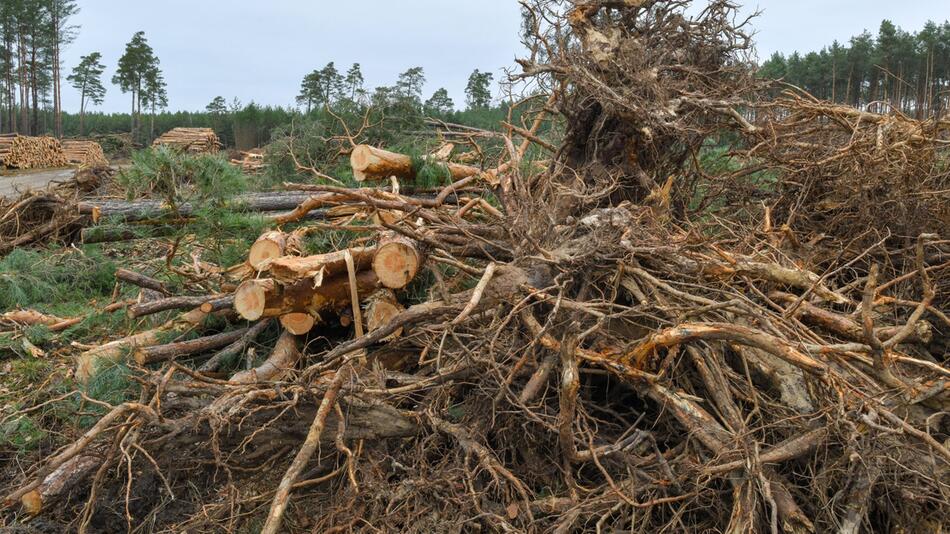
x: 291, y: 269
x: 250, y: 299
x: 30, y: 318
x: 89, y: 362
x: 371, y: 163
x: 218, y: 304
x: 170, y: 351
x: 265, y: 298
x: 138, y: 210
x: 381, y: 307
x: 85, y: 153
x: 271, y: 245
x: 58, y: 483
x: 282, y: 359
x: 297, y: 323
x: 141, y: 280
x: 170, y: 303
x: 397, y: 260
x: 193, y: 140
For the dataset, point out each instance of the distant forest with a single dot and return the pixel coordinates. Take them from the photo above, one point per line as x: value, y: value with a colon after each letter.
x: 896, y: 69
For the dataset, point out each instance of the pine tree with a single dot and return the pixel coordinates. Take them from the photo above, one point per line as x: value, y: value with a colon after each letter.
x: 410, y: 84
x: 154, y: 95
x: 439, y: 104
x: 217, y: 106
x: 478, y: 90
x: 87, y: 79
x: 134, y: 67
x: 354, y: 82
x: 61, y: 34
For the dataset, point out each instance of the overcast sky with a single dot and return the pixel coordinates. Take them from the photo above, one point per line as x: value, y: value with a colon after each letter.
x: 259, y: 50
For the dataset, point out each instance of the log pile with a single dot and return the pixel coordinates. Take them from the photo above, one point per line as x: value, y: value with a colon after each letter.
x: 84, y: 153
x: 590, y: 352
x: 251, y: 162
x: 25, y: 152
x: 193, y: 140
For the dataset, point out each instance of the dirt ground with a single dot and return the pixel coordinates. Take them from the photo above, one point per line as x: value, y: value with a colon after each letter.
x: 18, y: 181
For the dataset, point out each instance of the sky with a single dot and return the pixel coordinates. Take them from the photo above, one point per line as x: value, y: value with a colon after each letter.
x: 260, y: 50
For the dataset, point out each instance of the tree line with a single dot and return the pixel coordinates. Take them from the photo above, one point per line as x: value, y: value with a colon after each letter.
x: 33, y: 34
x: 895, y: 69
x: 328, y: 87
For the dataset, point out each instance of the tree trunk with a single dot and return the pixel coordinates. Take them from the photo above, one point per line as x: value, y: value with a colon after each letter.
x: 370, y: 163
x: 291, y: 269
x: 34, y: 82
x: 24, y: 94
x: 397, y: 260
x: 89, y: 361
x: 170, y: 351
x: 82, y: 111
x: 57, y: 103
x: 282, y: 358
x: 266, y: 298
x: 297, y: 323
x: 270, y: 246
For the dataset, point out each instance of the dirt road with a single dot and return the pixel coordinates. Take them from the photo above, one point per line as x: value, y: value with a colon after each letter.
x: 12, y: 183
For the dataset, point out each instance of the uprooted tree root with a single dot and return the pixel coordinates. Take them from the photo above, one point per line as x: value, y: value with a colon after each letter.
x: 589, y: 357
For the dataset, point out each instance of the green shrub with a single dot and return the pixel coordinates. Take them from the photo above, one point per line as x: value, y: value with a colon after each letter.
x: 181, y: 177
x: 29, y: 278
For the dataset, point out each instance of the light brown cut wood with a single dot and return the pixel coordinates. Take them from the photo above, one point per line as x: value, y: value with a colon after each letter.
x: 290, y: 269
x: 84, y: 153
x: 25, y: 152
x: 397, y: 260
x: 381, y: 307
x: 266, y: 298
x: 271, y: 245
x: 282, y: 359
x: 30, y: 317
x: 371, y: 163
x: 297, y: 323
x: 250, y: 298
x: 194, y: 140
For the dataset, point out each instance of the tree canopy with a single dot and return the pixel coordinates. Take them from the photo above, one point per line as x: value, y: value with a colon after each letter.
x: 895, y: 69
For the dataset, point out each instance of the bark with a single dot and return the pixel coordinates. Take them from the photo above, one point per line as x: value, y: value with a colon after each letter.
x: 58, y: 483
x: 283, y: 358
x: 170, y: 303
x: 170, y: 351
x: 265, y: 298
x: 153, y: 209
x: 89, y: 362
x: 235, y: 348
x: 141, y: 280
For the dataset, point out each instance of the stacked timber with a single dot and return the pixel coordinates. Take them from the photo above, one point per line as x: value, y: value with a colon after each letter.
x: 251, y: 162
x: 304, y: 290
x: 84, y: 153
x: 25, y: 152
x: 194, y: 140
